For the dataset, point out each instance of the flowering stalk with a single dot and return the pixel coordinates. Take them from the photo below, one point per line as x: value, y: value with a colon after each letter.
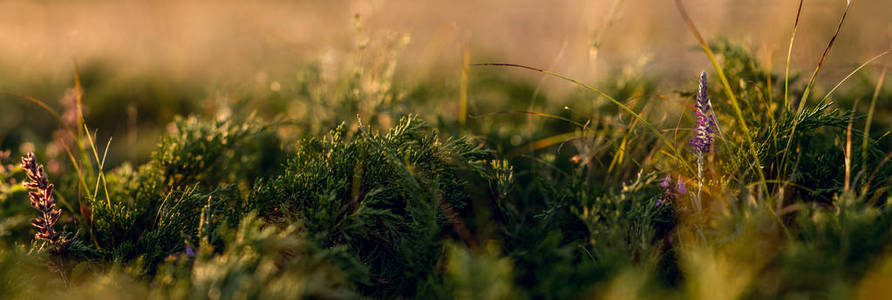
x: 701, y: 142
x: 42, y: 199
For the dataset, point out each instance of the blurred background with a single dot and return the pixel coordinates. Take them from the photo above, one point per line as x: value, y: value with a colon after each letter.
x: 238, y: 40
x: 142, y: 62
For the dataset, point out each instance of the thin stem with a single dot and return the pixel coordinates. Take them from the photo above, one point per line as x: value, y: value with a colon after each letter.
x: 789, y: 55
x: 675, y: 153
x: 848, y: 152
x: 830, y: 93
x: 699, y: 180
x: 867, y: 123
x: 808, y: 88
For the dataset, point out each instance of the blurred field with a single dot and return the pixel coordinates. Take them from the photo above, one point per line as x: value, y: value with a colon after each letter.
x: 238, y: 39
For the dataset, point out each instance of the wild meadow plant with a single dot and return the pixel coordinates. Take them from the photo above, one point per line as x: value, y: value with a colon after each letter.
x: 670, y: 192
x: 701, y: 143
x: 41, y: 196
x: 222, y: 210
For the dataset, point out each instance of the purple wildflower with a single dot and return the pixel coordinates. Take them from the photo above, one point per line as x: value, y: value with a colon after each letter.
x: 42, y: 199
x: 680, y: 187
x: 702, y: 140
x: 669, y: 193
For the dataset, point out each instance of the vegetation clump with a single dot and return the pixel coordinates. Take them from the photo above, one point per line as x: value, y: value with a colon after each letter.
x: 735, y: 189
x: 386, y: 200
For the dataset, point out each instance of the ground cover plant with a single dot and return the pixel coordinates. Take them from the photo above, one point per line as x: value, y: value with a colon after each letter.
x: 740, y: 182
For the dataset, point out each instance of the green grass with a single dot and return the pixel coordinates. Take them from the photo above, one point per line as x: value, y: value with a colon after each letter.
x: 371, y: 185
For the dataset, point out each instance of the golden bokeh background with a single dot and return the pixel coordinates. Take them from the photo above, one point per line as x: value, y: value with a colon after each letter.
x: 238, y: 39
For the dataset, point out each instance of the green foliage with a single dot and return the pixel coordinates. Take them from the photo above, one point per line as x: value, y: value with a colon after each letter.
x: 188, y: 189
x: 833, y: 248
x: 816, y: 170
x: 561, y: 202
x: 12, y: 213
x: 628, y: 225
x: 209, y: 153
x: 585, y: 235
x: 483, y: 275
x: 386, y: 198
x: 258, y: 261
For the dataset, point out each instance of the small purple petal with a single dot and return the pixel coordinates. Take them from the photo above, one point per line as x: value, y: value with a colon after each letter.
x: 666, y: 182
x: 189, y: 252
x: 680, y: 188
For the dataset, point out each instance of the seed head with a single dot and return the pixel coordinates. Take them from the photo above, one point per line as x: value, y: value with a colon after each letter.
x: 41, y: 196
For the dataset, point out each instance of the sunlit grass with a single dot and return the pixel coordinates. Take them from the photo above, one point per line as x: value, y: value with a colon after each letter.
x: 360, y: 181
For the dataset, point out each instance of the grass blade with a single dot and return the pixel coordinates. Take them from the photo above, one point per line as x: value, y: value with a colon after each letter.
x: 854, y: 72
x: 789, y: 55
x: 463, y: 89
x: 870, y: 111
x: 675, y: 153
x: 814, y: 75
x: 805, y: 94
x: 98, y: 161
